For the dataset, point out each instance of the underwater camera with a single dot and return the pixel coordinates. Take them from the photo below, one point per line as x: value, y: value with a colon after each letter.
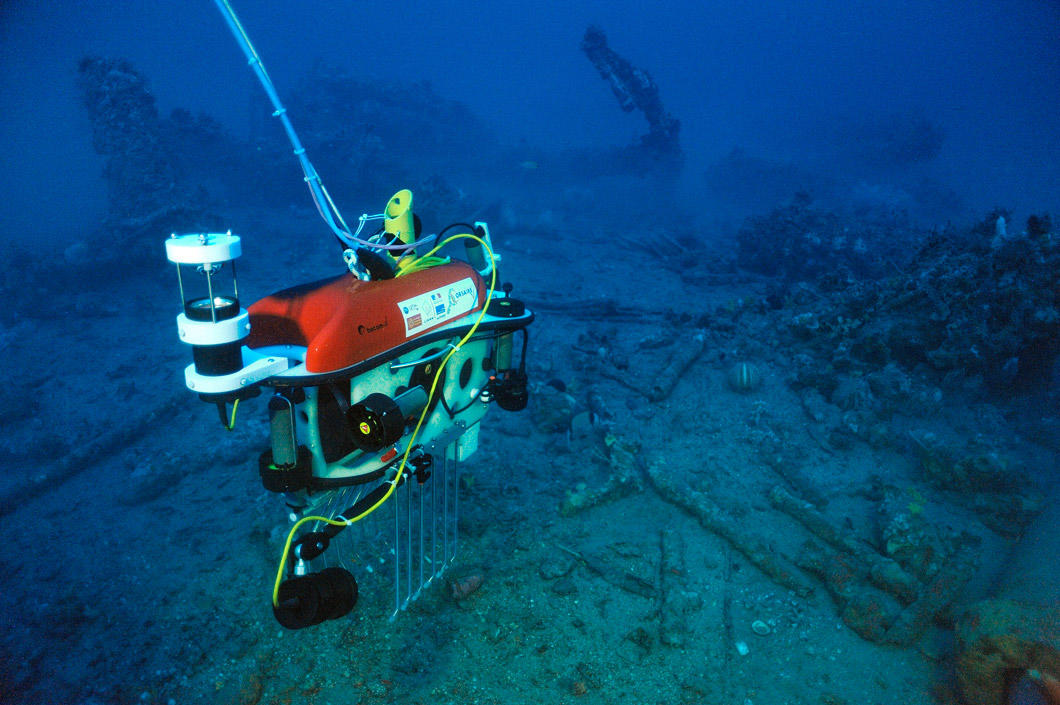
x: 378, y: 379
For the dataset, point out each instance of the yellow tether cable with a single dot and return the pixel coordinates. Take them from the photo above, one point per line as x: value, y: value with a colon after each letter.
x: 232, y: 420
x: 419, y: 422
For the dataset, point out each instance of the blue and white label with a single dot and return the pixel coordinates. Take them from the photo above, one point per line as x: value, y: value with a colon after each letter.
x: 438, y: 306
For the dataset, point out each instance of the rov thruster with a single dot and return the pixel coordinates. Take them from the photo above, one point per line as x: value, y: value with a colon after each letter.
x: 378, y: 379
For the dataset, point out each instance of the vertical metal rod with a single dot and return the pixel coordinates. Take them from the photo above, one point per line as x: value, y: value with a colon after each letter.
x: 180, y: 285
x: 456, y: 503
x: 397, y: 553
x: 408, y: 539
x: 445, y: 508
x: 421, y: 553
x: 434, y: 524
x: 209, y: 289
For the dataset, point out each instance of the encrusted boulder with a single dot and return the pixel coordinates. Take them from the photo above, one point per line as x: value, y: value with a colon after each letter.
x: 999, y: 638
x: 1002, y: 494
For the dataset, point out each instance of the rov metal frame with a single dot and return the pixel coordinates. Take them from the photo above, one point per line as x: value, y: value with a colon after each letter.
x: 424, y: 538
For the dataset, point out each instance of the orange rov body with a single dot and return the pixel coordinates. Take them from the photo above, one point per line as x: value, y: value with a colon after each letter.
x: 343, y: 321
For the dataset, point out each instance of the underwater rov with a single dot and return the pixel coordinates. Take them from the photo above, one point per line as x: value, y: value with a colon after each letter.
x: 379, y: 379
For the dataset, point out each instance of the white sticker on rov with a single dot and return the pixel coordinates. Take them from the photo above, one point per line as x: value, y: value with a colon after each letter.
x: 438, y: 306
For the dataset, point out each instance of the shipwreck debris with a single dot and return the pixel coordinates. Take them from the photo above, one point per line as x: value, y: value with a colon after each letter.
x: 605, y: 568
x: 712, y: 517
x: 883, y: 572
x: 881, y: 598
x: 149, y: 185
x: 636, y: 90
x: 682, y: 357
x: 675, y: 603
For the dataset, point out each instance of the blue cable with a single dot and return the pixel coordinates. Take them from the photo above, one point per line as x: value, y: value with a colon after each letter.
x: 321, y: 199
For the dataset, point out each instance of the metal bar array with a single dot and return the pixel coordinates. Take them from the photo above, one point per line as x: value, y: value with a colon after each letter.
x: 420, y: 544
x: 425, y: 528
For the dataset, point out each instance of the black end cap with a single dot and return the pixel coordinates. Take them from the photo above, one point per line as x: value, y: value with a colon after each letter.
x: 311, y: 599
x: 506, y: 307
x: 511, y: 391
x: 279, y: 479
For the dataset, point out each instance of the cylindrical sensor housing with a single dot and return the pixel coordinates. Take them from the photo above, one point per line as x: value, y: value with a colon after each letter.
x: 282, y: 432
x: 212, y: 321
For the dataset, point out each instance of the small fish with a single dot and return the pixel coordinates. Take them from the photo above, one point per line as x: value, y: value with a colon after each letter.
x: 528, y: 165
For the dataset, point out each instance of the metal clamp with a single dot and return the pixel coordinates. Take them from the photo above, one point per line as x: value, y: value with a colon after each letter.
x: 395, y: 366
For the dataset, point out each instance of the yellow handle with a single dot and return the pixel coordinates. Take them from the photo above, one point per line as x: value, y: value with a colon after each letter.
x: 398, y: 221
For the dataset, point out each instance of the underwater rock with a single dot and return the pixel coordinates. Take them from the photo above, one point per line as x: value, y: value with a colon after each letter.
x: 1002, y: 495
x: 1007, y: 514
x: 460, y: 588
x: 805, y: 325
x: 125, y: 131
x: 555, y: 566
x: 891, y: 387
x: 996, y: 638
x: 853, y: 393
x: 800, y: 242
x: 953, y: 306
x: 552, y: 410
x: 599, y: 408
x: 816, y: 408
x: 1039, y: 226
x: 564, y: 586
x: 76, y: 254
